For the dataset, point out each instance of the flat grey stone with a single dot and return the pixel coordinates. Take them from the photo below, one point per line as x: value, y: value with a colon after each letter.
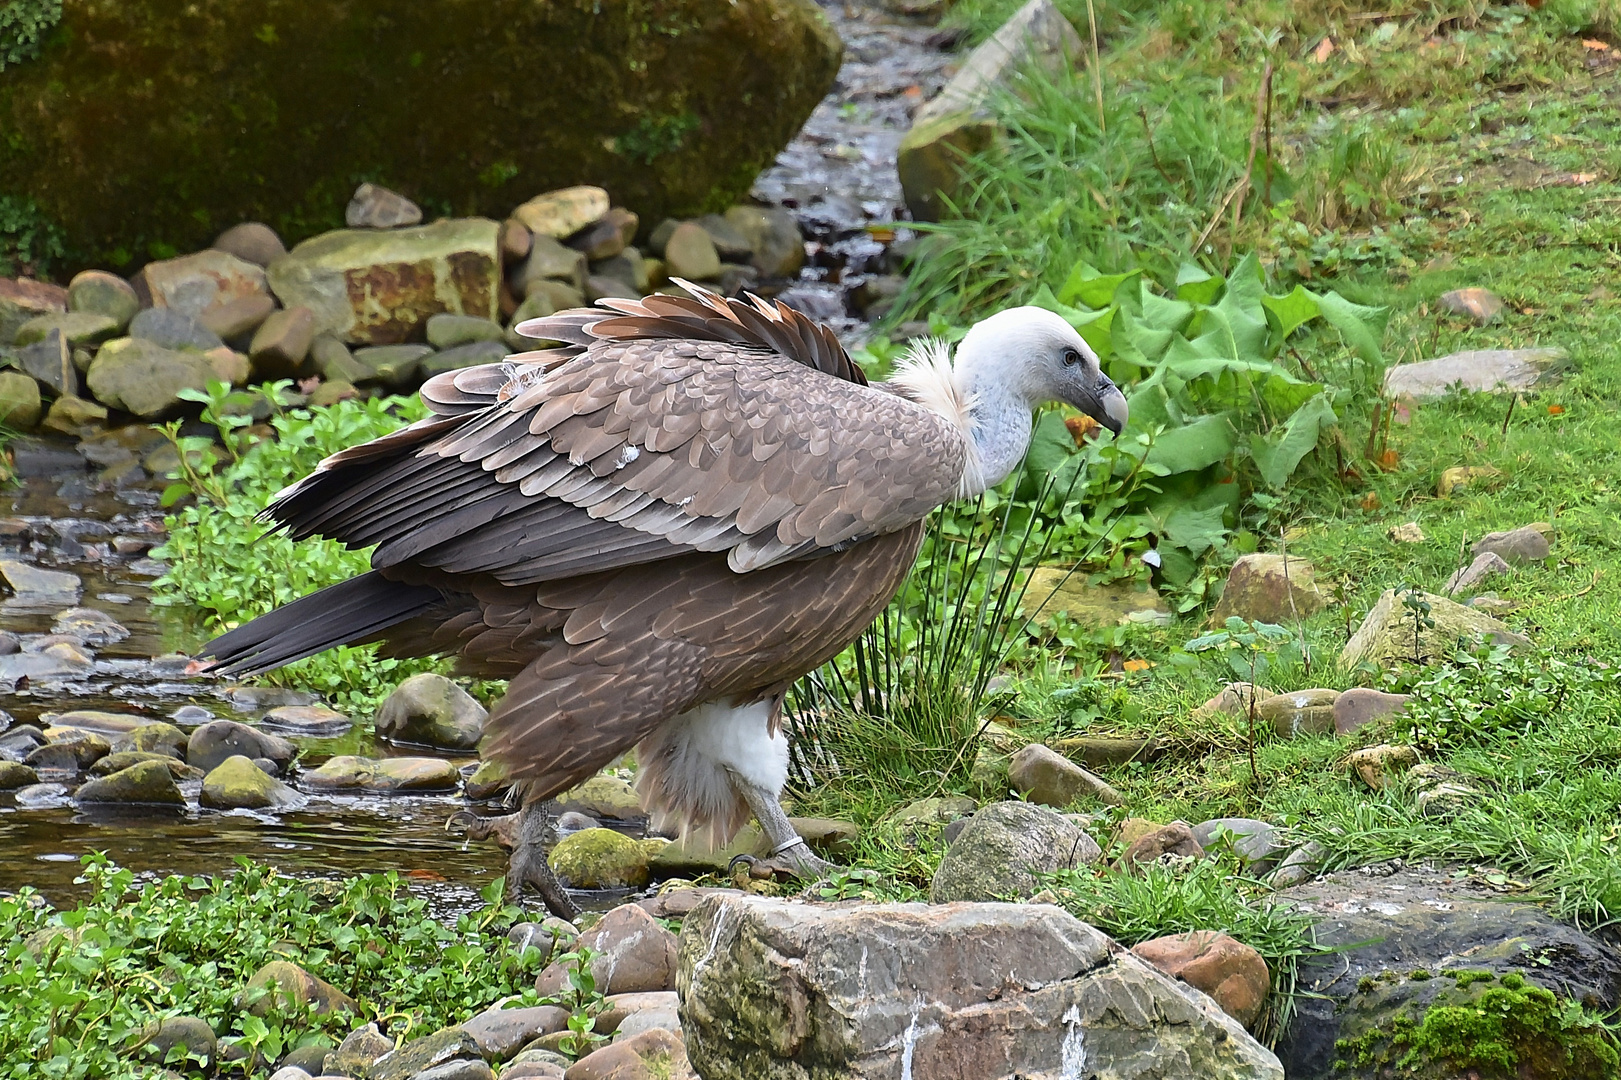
x: 1482, y: 370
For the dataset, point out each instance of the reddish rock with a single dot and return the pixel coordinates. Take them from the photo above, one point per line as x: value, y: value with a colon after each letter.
x: 251, y: 241
x: 1259, y: 588
x: 515, y: 239
x: 282, y: 343
x: 1228, y: 970
x: 634, y: 953
x: 1173, y: 839
x: 1299, y: 712
x: 194, y: 284
x: 236, y: 317
x: 1235, y: 699
x: 1481, y: 306
x: 652, y: 1055
x: 1360, y: 705
x: 33, y: 297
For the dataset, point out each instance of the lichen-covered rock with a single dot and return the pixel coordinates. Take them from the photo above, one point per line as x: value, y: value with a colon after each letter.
x: 419, y: 1055
x: 287, y: 983
x: 209, y: 114
x: 827, y: 837
x: 14, y: 774
x: 380, y: 287
x: 189, y: 1034
x: 96, y: 292
x: 238, y: 784
x: 772, y: 989
x: 156, y: 738
x: 387, y: 776
x: 1378, y: 765
x: 20, y: 405
x: 1002, y: 849
x: 1175, y: 839
x: 1393, y: 635
x: 1052, y: 590
x: 144, y: 378
x: 431, y: 710
x: 1269, y: 588
x: 603, y: 797
x: 602, y: 859
x: 1422, y: 938
x: 148, y: 782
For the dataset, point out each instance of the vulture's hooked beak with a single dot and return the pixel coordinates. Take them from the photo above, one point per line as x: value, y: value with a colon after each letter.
x: 1106, y: 404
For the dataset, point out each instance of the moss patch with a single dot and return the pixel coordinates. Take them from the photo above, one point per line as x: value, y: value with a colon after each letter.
x: 1501, y: 1028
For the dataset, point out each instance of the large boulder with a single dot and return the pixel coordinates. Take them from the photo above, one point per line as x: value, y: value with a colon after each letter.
x: 208, y: 114
x: 777, y: 989
x: 380, y: 287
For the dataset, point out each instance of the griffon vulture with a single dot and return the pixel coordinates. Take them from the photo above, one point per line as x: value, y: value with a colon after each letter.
x: 655, y: 527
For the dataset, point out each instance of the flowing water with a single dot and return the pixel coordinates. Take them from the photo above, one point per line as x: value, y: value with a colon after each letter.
x: 69, y: 515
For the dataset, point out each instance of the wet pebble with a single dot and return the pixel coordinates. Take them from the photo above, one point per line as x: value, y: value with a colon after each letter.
x: 191, y: 715
x: 90, y: 626
x: 258, y: 698
x: 42, y: 796
x: 9, y: 643
x: 313, y: 721
x: 217, y: 740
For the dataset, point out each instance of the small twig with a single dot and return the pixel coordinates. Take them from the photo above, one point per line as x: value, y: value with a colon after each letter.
x: 1512, y: 398
x: 1153, y: 154
x: 1578, y: 594
x: 1097, y: 68
x: 1249, y: 165
x: 1267, y: 193
x: 1289, y: 587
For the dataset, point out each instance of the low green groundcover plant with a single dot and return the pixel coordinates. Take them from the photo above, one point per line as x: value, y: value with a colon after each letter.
x: 233, y: 567
x: 77, y: 985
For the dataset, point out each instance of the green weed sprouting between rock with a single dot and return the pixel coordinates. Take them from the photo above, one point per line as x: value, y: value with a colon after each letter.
x: 1153, y: 900
x: 76, y: 985
x: 232, y: 566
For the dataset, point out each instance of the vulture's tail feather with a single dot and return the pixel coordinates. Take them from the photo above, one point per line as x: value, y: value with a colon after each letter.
x: 340, y: 614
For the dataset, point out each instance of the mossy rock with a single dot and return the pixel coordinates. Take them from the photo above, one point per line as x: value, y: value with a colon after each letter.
x: 601, y: 859
x: 213, y: 112
x: 1473, y: 1023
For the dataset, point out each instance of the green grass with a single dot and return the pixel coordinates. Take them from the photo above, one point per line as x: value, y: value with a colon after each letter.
x: 1397, y: 178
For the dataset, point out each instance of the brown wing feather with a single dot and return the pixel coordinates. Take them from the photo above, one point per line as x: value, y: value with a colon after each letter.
x: 676, y: 424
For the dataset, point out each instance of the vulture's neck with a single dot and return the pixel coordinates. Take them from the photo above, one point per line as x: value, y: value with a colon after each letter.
x: 992, y: 416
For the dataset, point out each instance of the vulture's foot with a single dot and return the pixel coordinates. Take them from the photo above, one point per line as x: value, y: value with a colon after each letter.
x: 503, y: 830
x: 528, y: 866
x: 793, y: 862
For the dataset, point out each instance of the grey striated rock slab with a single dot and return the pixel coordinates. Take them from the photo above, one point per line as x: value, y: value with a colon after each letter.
x: 1481, y: 370
x: 776, y: 989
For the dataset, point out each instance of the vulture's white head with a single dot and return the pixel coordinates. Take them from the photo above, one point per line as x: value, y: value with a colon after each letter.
x: 1006, y: 367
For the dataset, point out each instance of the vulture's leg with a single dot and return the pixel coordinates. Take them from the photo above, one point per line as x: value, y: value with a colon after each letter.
x: 788, y: 849
x: 528, y: 864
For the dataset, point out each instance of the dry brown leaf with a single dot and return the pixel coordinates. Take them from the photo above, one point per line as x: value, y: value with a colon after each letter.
x: 1582, y: 179
x: 1595, y: 45
x: 1324, y: 50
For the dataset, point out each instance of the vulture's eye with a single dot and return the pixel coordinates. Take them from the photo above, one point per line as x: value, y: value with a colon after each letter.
x: 1071, y: 357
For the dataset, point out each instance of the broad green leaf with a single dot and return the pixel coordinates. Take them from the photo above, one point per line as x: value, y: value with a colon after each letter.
x: 1163, y: 314
x: 1196, y: 286
x: 1195, y: 529
x: 1198, y: 445
x: 1177, y: 568
x: 1086, y: 286
x: 1361, y: 327
x: 1285, y: 314
x: 1133, y: 339
x: 1278, y: 453
x: 1245, y: 318
x: 1282, y: 393
x: 1051, y: 445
